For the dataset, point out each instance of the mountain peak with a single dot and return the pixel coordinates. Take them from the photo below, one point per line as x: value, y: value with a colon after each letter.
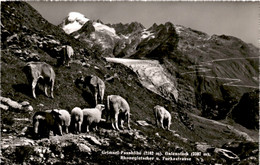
x: 127, y: 28
x: 76, y: 16
x: 73, y: 22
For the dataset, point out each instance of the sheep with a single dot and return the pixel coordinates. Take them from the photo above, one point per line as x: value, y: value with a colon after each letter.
x: 95, y: 84
x: 92, y: 115
x: 66, y: 52
x: 161, y: 116
x: 44, y: 122
x: 40, y: 70
x: 77, y: 119
x: 118, y: 106
x: 65, y: 119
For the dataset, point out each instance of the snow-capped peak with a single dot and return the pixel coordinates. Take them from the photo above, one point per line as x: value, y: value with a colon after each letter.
x: 75, y: 16
x: 76, y: 21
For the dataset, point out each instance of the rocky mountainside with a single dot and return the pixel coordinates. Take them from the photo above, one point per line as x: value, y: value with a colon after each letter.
x: 215, y: 77
x: 195, y: 57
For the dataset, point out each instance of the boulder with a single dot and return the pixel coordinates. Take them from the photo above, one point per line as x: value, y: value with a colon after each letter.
x: 7, y: 102
x: 142, y: 123
x: 92, y: 140
x: 201, y: 146
x: 84, y: 148
x: 226, y: 154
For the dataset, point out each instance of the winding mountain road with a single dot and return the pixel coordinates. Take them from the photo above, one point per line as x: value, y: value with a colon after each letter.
x: 202, y: 67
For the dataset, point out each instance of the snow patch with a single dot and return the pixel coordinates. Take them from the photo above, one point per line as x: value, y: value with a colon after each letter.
x: 179, y: 29
x: 146, y: 34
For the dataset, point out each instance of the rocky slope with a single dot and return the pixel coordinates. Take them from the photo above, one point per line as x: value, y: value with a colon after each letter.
x: 26, y: 36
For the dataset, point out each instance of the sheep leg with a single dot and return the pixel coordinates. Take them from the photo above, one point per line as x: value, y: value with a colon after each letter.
x: 52, y: 86
x: 169, y: 124
x: 116, y: 120
x: 76, y: 128
x: 34, y: 83
x: 79, y: 127
x: 36, y: 127
x: 157, y: 122
x: 67, y: 61
x: 45, y: 90
x: 87, y: 128
x: 67, y: 129
x: 113, y: 125
x: 168, y: 127
x: 161, y: 121
x: 101, y: 93
x: 96, y: 94
x: 122, y: 124
x: 60, y: 130
x: 128, y: 121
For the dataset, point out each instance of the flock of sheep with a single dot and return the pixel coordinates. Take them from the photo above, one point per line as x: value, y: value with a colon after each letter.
x: 58, y: 120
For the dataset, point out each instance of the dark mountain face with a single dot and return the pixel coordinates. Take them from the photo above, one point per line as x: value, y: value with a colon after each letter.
x: 222, y: 65
x: 126, y: 29
x: 246, y: 112
x: 161, y: 45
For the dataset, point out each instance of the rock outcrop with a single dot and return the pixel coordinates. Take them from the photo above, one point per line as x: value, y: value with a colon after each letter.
x: 246, y: 112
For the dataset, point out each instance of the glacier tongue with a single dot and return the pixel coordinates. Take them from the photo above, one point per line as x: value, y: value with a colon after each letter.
x: 152, y: 76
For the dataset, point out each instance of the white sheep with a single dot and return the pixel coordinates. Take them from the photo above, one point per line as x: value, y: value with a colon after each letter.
x: 118, y: 106
x: 65, y: 120
x: 77, y: 119
x: 161, y: 115
x: 92, y: 115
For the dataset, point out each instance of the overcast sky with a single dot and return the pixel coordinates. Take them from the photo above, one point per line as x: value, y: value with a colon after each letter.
x: 239, y: 19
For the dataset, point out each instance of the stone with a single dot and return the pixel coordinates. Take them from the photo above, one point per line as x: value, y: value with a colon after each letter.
x: 201, y: 146
x: 226, y: 154
x: 24, y: 103
x: 84, y: 148
x: 92, y: 139
x: 142, y: 123
x: 62, y: 156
